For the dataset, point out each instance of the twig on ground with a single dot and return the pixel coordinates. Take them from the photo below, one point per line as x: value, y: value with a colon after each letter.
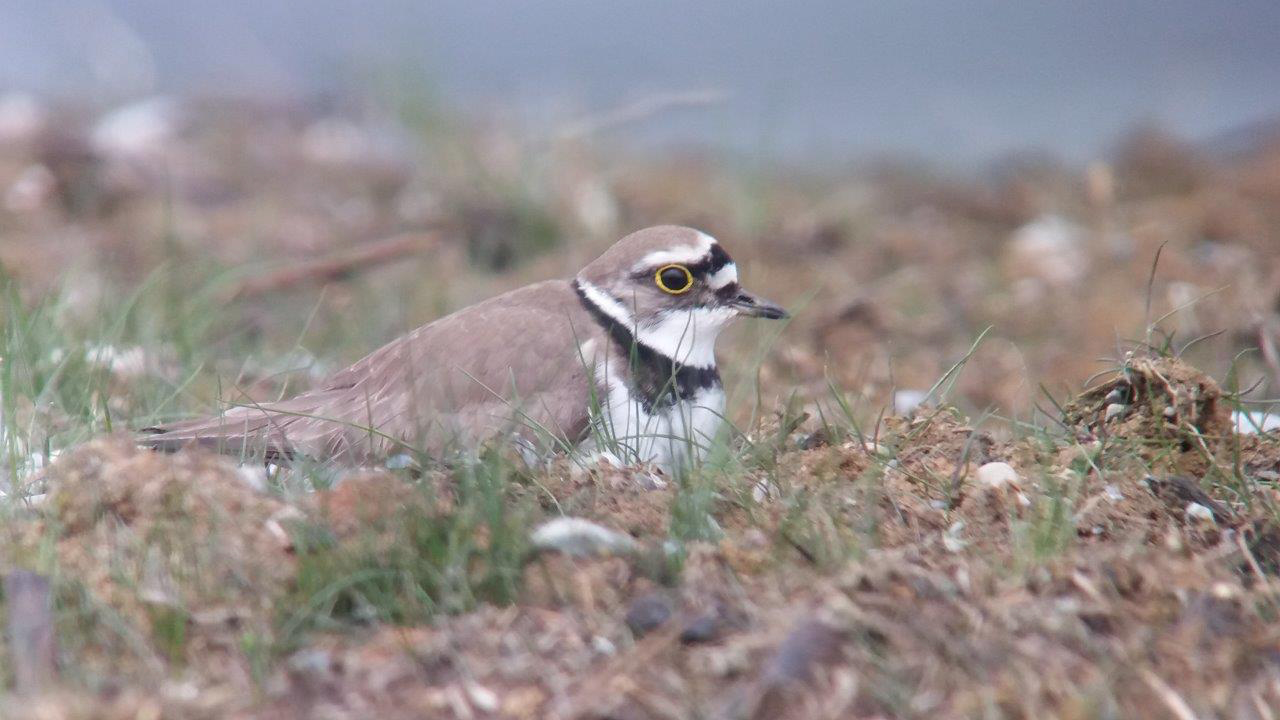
x: 334, y: 267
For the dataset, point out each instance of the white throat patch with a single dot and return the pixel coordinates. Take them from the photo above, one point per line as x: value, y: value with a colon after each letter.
x: 687, y: 336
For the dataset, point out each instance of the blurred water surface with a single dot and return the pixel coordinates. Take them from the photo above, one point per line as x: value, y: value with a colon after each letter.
x: 952, y: 82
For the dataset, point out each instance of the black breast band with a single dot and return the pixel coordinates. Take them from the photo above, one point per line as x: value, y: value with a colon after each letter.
x: 655, y: 379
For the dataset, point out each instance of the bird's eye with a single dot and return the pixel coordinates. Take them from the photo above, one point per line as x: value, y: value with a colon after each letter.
x: 674, y: 279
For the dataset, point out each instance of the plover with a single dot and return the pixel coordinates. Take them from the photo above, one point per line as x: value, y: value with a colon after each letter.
x: 618, y: 359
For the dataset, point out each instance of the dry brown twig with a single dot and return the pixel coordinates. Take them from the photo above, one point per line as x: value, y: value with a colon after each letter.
x: 338, y: 266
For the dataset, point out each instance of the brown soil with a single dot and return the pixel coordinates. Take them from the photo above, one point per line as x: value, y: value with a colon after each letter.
x: 863, y: 582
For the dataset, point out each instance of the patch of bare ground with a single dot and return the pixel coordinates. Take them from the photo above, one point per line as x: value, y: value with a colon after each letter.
x: 167, y: 568
x: 1124, y: 567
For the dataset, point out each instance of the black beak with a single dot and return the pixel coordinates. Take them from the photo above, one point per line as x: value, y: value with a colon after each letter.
x: 752, y: 305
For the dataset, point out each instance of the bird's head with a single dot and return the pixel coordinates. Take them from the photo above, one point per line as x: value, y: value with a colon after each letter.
x: 675, y: 288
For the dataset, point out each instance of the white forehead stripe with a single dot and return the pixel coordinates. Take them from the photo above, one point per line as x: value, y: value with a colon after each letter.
x: 684, y: 254
x: 723, y: 277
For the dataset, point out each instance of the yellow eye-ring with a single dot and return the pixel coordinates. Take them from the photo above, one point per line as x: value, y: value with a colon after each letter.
x: 674, y: 279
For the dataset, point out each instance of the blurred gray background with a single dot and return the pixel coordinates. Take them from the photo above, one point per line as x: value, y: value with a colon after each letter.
x: 949, y: 81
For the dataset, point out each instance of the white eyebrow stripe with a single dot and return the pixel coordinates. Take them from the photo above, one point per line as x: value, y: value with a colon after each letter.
x: 685, y: 254
x: 723, y: 277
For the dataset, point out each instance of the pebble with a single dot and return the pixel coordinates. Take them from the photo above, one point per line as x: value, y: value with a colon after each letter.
x: 906, y: 402
x: 579, y: 537
x: 311, y: 662
x: 997, y: 475
x: 1196, y: 512
x: 702, y: 629
x: 648, y: 613
x: 1115, y: 410
x: 482, y: 697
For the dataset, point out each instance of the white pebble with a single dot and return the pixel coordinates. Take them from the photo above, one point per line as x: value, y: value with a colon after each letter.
x: 575, y: 536
x: 1115, y: 410
x: 482, y: 697
x: 1196, y: 512
x: 906, y: 402
x: 997, y: 475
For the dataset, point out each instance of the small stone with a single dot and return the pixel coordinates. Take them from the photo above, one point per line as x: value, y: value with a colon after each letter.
x: 702, y: 629
x: 810, y: 645
x: 482, y: 697
x: 1197, y: 513
x: 400, y: 461
x: 997, y: 475
x: 908, y: 401
x: 816, y: 439
x: 311, y: 662
x: 575, y: 536
x: 874, y: 448
x: 603, y: 645
x: 1115, y: 410
x: 648, y: 613
x: 1224, y: 591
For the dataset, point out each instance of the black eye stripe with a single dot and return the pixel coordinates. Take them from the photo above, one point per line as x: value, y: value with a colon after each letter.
x: 711, y: 264
x: 729, y: 291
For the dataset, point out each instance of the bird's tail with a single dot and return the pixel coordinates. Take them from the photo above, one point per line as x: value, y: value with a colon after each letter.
x: 249, y: 432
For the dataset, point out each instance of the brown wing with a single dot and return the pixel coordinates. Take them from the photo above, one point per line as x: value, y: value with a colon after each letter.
x: 506, y: 365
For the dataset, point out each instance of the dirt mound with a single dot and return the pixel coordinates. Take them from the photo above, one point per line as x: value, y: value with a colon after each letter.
x: 1157, y: 399
x: 176, y: 551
